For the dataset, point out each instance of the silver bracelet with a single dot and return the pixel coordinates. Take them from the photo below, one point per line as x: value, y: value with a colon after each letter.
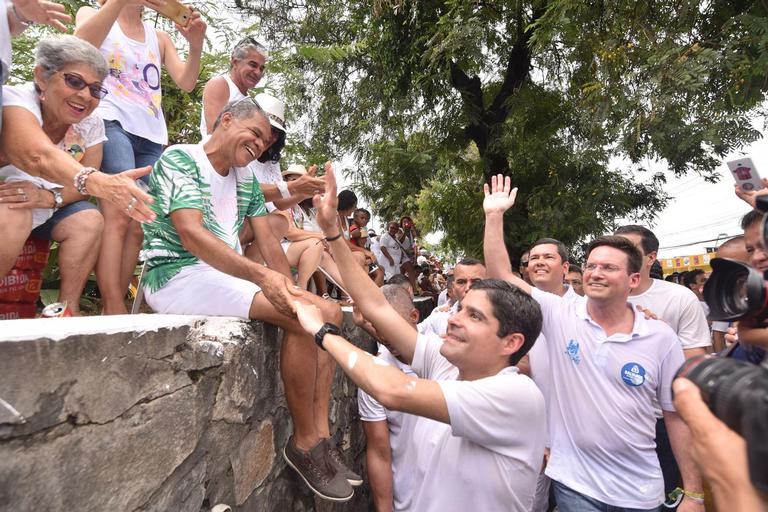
x: 81, y: 178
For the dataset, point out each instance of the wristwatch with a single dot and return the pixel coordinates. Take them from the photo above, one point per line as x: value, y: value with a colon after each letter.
x: 58, y: 199
x: 327, y: 328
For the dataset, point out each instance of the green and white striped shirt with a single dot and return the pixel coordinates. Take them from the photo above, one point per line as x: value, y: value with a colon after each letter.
x: 183, y: 177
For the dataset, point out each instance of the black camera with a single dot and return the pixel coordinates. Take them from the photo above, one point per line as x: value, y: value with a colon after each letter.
x: 737, y: 393
x: 735, y: 290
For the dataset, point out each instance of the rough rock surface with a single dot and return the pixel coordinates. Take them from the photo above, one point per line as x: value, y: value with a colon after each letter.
x: 176, y: 418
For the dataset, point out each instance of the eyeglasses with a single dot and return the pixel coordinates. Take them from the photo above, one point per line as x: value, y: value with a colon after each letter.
x: 607, y: 268
x: 77, y: 83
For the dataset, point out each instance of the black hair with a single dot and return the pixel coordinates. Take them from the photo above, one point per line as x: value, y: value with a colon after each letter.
x: 347, y: 199
x: 516, y: 312
x: 689, y: 277
x: 634, y: 257
x: 748, y: 220
x: 469, y: 262
x: 562, y: 250
x: 575, y: 267
x: 648, y: 240
x: 657, y: 272
x: 362, y: 210
x: 272, y: 153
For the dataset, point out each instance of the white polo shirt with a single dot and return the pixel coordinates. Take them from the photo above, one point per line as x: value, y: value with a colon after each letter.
x: 600, y: 410
x: 399, y: 425
x: 679, y: 307
x: 488, y: 458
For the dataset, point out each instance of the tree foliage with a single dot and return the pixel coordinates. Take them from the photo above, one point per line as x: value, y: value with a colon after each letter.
x: 571, y: 99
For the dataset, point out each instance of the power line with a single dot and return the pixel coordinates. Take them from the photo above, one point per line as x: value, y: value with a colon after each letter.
x: 726, y: 237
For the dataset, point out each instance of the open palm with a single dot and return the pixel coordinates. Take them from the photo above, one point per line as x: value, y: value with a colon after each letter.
x: 327, y: 215
x: 500, y: 196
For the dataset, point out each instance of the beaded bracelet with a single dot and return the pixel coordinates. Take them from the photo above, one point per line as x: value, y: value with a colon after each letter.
x: 81, y: 178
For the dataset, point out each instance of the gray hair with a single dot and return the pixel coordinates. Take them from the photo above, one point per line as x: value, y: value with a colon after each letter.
x: 398, y: 298
x: 248, y: 44
x: 244, y: 108
x: 54, y: 53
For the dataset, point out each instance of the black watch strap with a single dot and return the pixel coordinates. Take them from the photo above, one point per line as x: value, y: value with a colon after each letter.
x: 327, y: 328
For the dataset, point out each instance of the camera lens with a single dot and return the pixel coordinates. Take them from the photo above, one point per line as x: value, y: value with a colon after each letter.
x: 734, y: 291
x: 723, y: 384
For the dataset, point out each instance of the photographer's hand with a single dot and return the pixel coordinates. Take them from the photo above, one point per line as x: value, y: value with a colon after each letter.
x: 720, y: 453
x: 750, y: 196
x: 753, y: 332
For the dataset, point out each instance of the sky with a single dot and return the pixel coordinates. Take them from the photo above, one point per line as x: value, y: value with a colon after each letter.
x: 700, y: 211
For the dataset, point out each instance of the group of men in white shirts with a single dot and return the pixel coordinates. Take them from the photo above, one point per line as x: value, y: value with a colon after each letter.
x: 474, y: 429
x: 603, y: 367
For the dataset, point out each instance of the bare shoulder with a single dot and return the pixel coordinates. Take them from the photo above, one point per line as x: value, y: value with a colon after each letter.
x: 84, y: 13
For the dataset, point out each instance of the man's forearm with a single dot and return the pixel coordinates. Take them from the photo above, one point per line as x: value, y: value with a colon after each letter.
x: 273, y: 255
x: 361, y: 288
x: 497, y: 262
x: 380, y: 479
x: 679, y: 436
x: 208, y: 248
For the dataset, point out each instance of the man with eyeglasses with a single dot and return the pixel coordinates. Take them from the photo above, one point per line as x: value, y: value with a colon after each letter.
x: 607, y: 365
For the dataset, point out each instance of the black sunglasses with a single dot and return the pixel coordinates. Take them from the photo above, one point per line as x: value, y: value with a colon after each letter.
x: 77, y: 83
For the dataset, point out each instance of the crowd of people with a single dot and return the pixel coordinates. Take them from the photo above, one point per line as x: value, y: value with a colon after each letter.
x: 525, y: 388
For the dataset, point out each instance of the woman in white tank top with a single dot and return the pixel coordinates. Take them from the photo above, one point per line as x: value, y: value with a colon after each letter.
x: 246, y: 68
x: 133, y: 116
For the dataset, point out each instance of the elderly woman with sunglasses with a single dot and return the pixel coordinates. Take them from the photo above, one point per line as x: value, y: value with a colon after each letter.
x: 57, y: 108
x: 133, y: 116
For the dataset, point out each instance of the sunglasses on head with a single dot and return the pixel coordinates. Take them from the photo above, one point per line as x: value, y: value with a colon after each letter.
x: 250, y: 40
x: 77, y: 83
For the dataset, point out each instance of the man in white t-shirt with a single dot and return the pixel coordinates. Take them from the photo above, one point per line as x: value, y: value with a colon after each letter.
x: 478, y: 441
x: 676, y: 305
x: 547, y: 266
x: 387, y: 432
x: 391, y: 250
x: 203, y: 196
x: 608, y: 364
x: 466, y: 273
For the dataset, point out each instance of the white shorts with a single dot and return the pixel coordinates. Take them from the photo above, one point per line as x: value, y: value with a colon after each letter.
x: 202, y: 290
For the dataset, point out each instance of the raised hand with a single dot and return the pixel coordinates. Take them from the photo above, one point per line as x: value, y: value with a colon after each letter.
x: 749, y: 197
x: 194, y: 32
x: 326, y: 204
x: 500, y: 197
x: 42, y: 11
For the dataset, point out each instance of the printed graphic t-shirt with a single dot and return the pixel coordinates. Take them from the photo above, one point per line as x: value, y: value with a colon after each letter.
x: 184, y: 178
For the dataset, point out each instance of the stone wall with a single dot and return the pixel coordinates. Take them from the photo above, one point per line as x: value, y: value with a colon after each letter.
x: 156, y: 413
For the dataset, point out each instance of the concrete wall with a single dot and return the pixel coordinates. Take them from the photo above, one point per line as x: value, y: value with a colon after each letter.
x: 156, y: 412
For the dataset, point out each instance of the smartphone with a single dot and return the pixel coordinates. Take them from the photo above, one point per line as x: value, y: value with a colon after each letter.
x: 745, y: 174
x: 176, y: 11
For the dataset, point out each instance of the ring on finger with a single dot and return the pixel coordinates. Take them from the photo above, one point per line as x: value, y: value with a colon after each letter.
x: 20, y: 191
x: 132, y: 202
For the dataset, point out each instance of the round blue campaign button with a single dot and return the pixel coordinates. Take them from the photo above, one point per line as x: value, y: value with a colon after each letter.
x: 633, y: 374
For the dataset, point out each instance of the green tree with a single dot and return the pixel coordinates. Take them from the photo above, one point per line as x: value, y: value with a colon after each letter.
x: 434, y: 96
